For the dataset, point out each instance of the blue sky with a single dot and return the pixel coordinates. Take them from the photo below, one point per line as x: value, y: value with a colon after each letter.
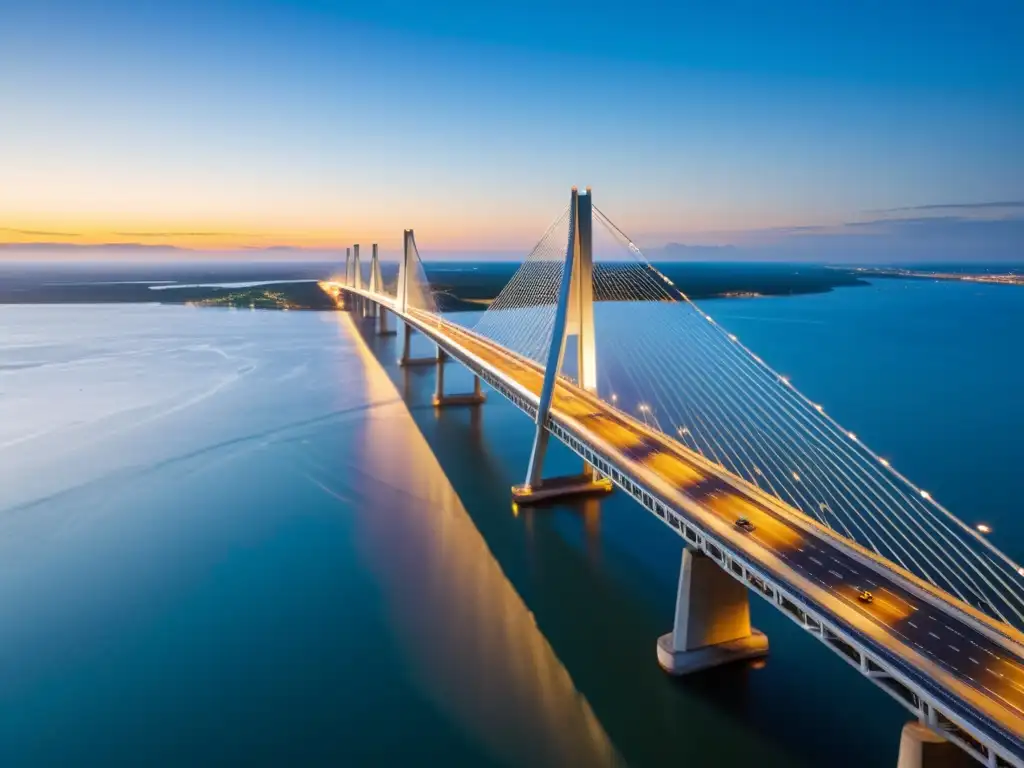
x: 313, y: 124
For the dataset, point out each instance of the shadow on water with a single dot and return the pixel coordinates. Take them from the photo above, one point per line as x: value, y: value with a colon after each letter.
x: 600, y: 577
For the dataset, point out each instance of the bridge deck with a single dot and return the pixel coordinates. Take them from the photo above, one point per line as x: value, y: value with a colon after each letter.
x: 974, y: 667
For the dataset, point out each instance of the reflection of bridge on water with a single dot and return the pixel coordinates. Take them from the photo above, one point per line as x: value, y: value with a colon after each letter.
x: 769, y: 494
x: 462, y: 629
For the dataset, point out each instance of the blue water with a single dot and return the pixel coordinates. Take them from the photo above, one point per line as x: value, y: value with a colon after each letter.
x: 246, y: 536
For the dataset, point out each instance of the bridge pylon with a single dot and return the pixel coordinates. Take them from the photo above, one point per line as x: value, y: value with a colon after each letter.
x: 405, y: 271
x: 574, y: 316
x: 377, y: 286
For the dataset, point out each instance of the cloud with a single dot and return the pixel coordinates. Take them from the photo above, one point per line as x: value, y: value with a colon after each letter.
x: 923, y: 239
x: 39, y: 233
x: 909, y: 221
x: 184, y: 234
x: 39, y: 246
x: 954, y: 207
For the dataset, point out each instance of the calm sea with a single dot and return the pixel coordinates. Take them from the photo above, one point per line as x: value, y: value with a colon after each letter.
x: 234, y: 536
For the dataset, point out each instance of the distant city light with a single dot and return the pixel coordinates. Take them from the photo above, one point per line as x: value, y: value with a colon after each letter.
x: 984, y: 528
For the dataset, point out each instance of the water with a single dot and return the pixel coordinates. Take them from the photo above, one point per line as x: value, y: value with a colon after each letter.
x: 232, y: 536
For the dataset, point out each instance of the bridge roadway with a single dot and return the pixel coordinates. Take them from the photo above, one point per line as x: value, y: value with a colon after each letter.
x: 966, y: 665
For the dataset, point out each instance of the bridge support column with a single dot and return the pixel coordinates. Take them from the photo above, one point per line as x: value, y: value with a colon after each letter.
x: 382, y: 323
x: 476, y: 397
x: 407, y: 360
x: 712, y: 622
x: 921, y: 747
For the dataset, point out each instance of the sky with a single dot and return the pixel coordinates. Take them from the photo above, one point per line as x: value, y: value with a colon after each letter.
x: 867, y: 131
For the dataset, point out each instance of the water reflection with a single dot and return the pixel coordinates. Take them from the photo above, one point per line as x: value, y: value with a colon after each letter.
x: 462, y: 629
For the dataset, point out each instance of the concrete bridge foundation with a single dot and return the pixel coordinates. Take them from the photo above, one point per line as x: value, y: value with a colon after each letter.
x: 382, y: 323
x: 712, y: 622
x: 407, y: 360
x: 921, y: 747
x: 476, y: 397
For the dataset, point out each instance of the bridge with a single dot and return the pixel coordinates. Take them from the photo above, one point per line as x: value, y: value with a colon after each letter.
x: 771, y: 496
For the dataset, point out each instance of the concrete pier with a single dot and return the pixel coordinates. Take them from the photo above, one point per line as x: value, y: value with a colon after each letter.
x: 921, y: 747
x: 584, y: 484
x: 406, y: 359
x: 476, y: 397
x: 382, y: 323
x: 712, y: 622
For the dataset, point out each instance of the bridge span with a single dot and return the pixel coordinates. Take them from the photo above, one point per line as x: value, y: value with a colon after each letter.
x: 959, y: 670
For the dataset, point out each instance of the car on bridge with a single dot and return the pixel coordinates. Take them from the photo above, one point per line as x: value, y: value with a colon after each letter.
x: 745, y: 525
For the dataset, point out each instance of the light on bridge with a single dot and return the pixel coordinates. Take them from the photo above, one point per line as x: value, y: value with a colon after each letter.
x: 784, y: 380
x: 732, y: 336
x: 984, y: 528
x: 796, y: 476
x: 884, y: 462
x: 926, y: 494
x: 851, y: 435
x: 1021, y: 571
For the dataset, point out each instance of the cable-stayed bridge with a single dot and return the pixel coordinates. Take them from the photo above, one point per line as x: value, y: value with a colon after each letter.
x: 769, y: 493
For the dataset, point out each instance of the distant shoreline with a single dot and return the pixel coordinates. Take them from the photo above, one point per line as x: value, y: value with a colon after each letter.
x: 470, y: 287
x: 1004, y: 278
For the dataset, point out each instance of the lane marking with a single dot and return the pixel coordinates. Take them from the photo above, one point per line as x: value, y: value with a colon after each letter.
x: 954, y: 647
x: 934, y: 635
x: 836, y: 574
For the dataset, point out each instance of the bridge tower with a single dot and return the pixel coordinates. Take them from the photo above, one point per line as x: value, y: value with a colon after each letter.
x: 406, y: 270
x: 574, y: 316
x: 377, y: 286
